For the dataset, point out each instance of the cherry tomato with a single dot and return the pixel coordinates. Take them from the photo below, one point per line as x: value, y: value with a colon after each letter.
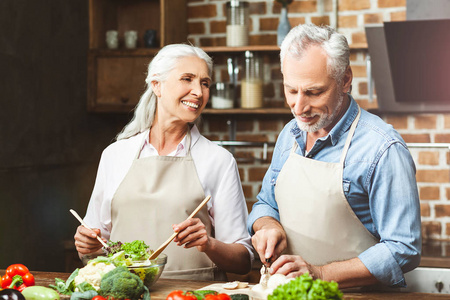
x: 180, y: 295
x: 98, y: 297
x: 28, y: 279
x: 17, y: 269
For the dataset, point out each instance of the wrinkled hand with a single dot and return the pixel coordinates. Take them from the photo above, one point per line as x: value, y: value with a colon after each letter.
x: 86, y: 241
x: 294, y: 266
x: 269, y: 242
x: 192, y: 233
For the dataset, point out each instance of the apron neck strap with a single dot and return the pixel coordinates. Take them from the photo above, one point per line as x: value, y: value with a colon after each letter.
x: 349, y: 137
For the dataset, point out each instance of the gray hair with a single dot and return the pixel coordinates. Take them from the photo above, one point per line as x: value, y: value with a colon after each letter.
x: 335, y: 45
x: 158, y: 70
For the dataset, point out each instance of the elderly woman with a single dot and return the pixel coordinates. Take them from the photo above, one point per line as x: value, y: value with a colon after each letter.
x: 160, y: 169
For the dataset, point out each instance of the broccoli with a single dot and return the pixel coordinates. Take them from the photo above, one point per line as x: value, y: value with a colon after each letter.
x: 122, y: 284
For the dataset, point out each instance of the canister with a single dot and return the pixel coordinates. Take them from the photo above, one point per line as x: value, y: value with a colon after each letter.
x: 252, y: 83
x: 222, y: 95
x: 237, y: 23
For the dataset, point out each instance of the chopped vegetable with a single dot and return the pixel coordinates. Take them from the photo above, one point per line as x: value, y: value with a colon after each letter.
x: 40, y: 293
x: 122, y: 284
x: 304, y: 287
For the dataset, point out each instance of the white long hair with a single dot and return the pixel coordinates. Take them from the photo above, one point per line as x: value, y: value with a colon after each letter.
x: 158, y: 70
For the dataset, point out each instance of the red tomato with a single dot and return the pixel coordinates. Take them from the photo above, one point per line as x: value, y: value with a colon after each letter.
x: 217, y: 297
x: 28, y: 279
x: 17, y: 269
x: 98, y: 297
x: 180, y: 295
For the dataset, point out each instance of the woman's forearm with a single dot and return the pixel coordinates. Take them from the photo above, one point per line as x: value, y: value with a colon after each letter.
x: 233, y: 258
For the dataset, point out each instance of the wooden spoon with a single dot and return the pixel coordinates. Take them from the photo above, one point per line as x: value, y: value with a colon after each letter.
x: 166, y: 243
x: 85, y: 225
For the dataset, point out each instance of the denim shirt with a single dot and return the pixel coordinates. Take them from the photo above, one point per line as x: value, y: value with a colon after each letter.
x: 379, y: 184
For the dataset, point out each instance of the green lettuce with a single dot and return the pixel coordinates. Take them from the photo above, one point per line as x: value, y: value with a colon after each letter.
x: 305, y: 288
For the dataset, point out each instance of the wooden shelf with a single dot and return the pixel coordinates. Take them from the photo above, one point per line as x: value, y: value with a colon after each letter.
x: 248, y: 111
x: 359, y: 46
x: 254, y: 48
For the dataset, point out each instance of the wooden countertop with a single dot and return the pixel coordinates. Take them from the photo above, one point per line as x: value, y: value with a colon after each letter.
x: 164, y: 286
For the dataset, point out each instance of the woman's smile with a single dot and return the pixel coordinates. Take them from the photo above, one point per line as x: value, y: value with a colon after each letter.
x: 190, y: 104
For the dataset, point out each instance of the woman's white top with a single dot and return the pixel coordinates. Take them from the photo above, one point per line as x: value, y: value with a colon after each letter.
x: 217, y: 171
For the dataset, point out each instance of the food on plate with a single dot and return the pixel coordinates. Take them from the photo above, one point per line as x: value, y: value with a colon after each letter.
x: 235, y: 285
x: 230, y: 285
x: 120, y: 283
x: 17, y: 277
x: 304, y: 287
x: 40, y: 293
x: 11, y: 294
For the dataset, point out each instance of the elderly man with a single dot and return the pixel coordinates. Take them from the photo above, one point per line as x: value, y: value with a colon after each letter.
x: 339, y: 199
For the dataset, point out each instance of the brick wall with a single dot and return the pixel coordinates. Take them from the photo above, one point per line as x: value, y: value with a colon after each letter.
x: 207, y: 27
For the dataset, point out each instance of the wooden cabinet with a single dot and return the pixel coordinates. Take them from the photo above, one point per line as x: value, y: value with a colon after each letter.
x: 116, y: 77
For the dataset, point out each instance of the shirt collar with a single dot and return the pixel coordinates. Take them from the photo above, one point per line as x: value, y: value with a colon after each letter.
x: 337, y: 131
x: 181, y: 149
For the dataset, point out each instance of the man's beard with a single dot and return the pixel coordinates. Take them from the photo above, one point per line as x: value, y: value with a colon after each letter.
x: 324, y: 119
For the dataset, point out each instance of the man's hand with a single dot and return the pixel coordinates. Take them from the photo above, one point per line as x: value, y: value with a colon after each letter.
x: 269, y: 239
x: 347, y: 273
x: 293, y: 266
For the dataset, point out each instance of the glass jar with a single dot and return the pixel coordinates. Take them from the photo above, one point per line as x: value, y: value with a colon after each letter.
x: 222, y: 95
x: 252, y: 83
x: 237, y: 23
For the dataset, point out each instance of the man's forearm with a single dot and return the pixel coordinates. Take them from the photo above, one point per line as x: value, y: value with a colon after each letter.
x: 266, y: 223
x: 349, y: 273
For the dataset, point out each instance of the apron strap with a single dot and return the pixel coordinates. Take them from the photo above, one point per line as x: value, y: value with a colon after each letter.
x: 347, y: 142
x: 349, y: 137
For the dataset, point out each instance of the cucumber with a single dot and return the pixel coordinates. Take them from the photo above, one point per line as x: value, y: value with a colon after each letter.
x: 239, y: 297
x: 40, y: 293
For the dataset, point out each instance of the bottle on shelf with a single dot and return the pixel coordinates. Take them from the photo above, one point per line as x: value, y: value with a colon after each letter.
x: 237, y: 23
x: 252, y: 83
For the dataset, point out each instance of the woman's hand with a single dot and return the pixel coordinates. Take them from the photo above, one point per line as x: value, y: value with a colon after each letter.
x: 86, y: 240
x: 192, y: 233
x: 294, y: 266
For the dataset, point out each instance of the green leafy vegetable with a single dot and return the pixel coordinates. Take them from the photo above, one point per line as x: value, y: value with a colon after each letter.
x: 65, y: 287
x: 136, y: 250
x: 305, y: 288
x: 87, y: 295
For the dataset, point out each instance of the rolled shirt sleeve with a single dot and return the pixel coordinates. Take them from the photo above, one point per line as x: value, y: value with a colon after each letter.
x: 395, y: 210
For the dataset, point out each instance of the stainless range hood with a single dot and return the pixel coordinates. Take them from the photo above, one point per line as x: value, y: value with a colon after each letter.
x: 410, y: 60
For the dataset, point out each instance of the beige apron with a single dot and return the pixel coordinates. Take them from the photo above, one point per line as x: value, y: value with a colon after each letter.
x: 159, y: 191
x: 318, y: 220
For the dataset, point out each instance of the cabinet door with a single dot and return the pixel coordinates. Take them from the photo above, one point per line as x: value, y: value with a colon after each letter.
x: 116, y: 83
